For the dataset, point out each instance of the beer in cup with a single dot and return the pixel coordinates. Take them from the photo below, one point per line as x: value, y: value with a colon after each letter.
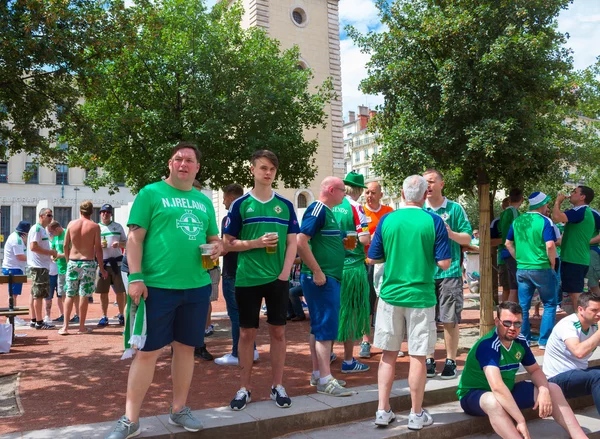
x: 207, y: 262
x: 350, y: 243
x: 273, y: 249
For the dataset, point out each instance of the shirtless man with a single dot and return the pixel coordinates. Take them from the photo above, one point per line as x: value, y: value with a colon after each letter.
x: 82, y: 250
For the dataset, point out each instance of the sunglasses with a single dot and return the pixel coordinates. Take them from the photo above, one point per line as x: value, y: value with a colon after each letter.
x: 49, y: 215
x: 508, y: 324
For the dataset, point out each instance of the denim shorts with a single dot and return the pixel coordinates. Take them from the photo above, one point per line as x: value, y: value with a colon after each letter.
x: 176, y: 315
x: 324, y: 306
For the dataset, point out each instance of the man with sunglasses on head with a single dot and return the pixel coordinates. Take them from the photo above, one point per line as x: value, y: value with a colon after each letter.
x: 487, y: 385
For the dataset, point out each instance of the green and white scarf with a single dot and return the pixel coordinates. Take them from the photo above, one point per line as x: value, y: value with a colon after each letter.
x: 135, y: 327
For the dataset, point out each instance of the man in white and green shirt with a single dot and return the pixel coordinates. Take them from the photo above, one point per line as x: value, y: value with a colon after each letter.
x: 113, y: 240
x: 531, y: 241
x: 448, y: 283
x: 580, y: 226
x: 572, y: 343
x: 262, y: 226
x: 15, y: 257
x: 168, y: 221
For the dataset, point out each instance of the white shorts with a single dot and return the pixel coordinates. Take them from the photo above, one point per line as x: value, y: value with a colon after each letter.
x: 393, y: 322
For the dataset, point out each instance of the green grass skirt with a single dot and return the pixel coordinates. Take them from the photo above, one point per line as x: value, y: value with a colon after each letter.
x: 354, y: 304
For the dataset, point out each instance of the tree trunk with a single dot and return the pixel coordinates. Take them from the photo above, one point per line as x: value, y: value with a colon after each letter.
x: 485, y: 259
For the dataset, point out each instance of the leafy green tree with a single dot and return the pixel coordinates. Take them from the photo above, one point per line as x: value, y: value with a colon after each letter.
x: 43, y: 44
x: 479, y: 89
x: 189, y: 74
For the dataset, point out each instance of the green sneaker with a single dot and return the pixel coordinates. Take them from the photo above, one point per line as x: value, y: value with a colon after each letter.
x: 124, y: 429
x: 333, y: 388
x: 184, y: 418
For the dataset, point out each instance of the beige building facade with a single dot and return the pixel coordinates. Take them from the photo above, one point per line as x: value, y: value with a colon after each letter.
x: 313, y: 26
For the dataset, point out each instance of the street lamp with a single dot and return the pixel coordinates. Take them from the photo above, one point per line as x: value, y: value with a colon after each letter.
x: 76, y: 189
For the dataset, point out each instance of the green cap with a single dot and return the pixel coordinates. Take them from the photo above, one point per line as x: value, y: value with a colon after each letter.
x: 355, y: 179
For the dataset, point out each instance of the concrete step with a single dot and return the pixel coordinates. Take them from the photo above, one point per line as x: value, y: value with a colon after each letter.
x: 449, y: 422
x: 546, y: 428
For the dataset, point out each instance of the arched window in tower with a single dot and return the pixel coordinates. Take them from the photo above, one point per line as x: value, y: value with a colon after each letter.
x: 302, y: 202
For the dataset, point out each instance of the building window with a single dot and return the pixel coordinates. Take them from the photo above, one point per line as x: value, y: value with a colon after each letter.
x: 357, y: 157
x: 96, y: 215
x: 397, y: 204
x: 299, y: 17
x: 32, y: 170
x: 4, y: 223
x: 302, y: 202
x: 367, y: 172
x: 3, y: 172
x: 62, y: 174
x: 63, y: 215
x: 29, y: 214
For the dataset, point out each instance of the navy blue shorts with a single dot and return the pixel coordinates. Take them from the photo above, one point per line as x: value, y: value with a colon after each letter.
x: 572, y: 276
x: 324, y: 306
x: 522, y: 393
x: 53, y: 287
x: 176, y: 315
x: 16, y: 288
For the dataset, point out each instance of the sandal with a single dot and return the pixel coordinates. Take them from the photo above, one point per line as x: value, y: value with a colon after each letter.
x: 87, y: 331
x: 63, y: 331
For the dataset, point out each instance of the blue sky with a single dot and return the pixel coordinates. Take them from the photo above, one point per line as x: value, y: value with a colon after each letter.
x: 581, y: 21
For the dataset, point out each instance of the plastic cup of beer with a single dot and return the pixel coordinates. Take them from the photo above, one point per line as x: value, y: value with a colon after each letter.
x: 350, y: 243
x: 207, y: 262
x: 271, y: 249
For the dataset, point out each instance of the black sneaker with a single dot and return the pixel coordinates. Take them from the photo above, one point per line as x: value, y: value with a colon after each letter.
x: 430, y: 363
x: 282, y: 400
x: 32, y: 324
x: 44, y: 325
x: 242, y: 397
x: 449, y: 371
x: 203, y: 353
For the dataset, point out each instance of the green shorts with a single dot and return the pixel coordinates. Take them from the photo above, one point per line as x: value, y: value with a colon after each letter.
x: 593, y: 274
x: 81, y: 277
x: 40, y: 282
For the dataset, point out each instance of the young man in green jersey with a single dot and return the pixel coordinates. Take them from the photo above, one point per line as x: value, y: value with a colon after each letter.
x: 580, y: 226
x: 448, y: 283
x: 262, y: 226
x: 487, y: 384
x: 414, y: 242
x: 531, y: 241
x: 321, y: 248
x: 507, y: 217
x: 354, y: 292
x: 57, y: 243
x: 170, y: 278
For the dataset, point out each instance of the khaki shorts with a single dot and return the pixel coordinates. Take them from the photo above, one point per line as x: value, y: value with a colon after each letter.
x: 393, y: 322
x: 114, y: 279
x: 40, y: 282
x: 593, y: 274
x: 449, y: 293
x: 215, y: 278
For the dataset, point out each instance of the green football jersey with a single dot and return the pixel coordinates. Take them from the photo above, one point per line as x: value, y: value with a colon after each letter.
x: 325, y: 241
x: 455, y: 216
x: 530, y: 232
x: 177, y: 222
x: 58, y: 244
x: 579, y: 230
x: 489, y: 351
x: 351, y: 217
x: 506, y: 219
x: 249, y: 219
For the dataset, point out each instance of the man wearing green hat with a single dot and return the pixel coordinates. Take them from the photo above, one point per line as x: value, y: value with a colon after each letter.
x: 531, y: 241
x: 354, y: 293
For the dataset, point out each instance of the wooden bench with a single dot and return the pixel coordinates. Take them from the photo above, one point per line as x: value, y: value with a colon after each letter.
x: 13, y: 311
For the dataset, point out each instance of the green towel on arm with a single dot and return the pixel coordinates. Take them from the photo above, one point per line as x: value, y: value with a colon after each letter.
x: 135, y: 327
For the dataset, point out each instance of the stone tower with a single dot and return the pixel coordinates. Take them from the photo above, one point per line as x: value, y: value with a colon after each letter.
x: 312, y: 25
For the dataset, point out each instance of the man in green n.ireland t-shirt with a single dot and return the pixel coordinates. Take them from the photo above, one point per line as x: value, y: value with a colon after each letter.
x: 172, y: 282
x: 57, y: 243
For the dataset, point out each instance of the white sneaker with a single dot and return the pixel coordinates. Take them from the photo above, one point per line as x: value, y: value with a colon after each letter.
x: 384, y: 418
x: 47, y: 319
x: 20, y: 322
x: 227, y: 360
x: 417, y: 422
x: 256, y: 356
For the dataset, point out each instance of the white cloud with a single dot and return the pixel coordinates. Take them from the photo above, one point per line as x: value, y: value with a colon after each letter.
x: 581, y: 21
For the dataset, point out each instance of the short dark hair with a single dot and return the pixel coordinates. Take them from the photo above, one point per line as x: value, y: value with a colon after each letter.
x: 515, y: 195
x: 186, y: 145
x: 53, y: 225
x: 234, y: 189
x: 513, y: 307
x: 434, y: 171
x: 587, y: 192
x: 265, y: 153
x: 585, y: 299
